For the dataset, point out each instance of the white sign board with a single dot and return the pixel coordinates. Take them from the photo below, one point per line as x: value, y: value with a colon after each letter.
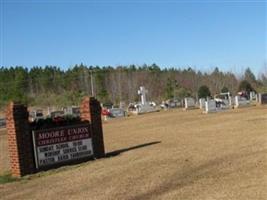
x: 62, y: 144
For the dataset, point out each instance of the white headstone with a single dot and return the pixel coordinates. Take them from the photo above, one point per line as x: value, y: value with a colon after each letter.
x: 210, y: 106
x: 202, y: 103
x: 189, y: 103
x: 226, y: 103
x: 142, y: 92
x: 252, y: 96
x: 241, y: 102
x: 230, y: 101
x: 237, y: 101
x: 145, y: 107
x: 117, y: 112
x: 122, y: 105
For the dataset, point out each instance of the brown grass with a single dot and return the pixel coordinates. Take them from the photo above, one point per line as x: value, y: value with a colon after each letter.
x: 166, y: 155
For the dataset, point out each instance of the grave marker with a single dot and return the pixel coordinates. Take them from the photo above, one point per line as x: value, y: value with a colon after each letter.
x: 241, y: 102
x: 263, y: 98
x: 144, y: 107
x: 210, y: 106
x: 117, y: 112
x: 189, y: 103
x: 252, y: 96
x: 142, y: 92
x: 202, y: 103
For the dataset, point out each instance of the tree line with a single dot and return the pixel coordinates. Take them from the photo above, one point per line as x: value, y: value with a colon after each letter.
x: 52, y: 86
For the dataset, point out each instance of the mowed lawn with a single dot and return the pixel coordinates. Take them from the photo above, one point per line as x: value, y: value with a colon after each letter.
x: 173, y: 154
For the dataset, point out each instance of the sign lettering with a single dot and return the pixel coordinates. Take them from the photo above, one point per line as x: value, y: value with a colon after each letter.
x: 62, y: 144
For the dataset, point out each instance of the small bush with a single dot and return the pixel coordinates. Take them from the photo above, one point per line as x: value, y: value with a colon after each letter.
x: 204, y: 92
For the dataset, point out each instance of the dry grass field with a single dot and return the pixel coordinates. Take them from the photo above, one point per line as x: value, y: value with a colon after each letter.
x: 168, y: 155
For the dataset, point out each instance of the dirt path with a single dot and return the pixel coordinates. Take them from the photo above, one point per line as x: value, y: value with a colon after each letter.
x: 166, y: 155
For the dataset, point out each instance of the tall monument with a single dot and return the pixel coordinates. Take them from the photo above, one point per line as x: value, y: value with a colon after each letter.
x: 142, y: 92
x: 144, y: 107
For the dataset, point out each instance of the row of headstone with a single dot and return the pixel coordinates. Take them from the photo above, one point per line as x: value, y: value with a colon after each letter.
x: 208, y: 105
x: 170, y: 103
x: 260, y: 98
x: 238, y: 102
x: 218, y: 104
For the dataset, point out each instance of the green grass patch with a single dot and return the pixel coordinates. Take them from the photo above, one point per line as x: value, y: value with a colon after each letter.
x: 7, y: 178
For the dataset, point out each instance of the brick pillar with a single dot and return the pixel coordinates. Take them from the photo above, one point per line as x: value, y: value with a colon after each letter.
x: 91, y: 111
x: 20, y: 144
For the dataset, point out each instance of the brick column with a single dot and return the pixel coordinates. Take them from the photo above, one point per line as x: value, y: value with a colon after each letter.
x: 91, y: 111
x: 20, y: 144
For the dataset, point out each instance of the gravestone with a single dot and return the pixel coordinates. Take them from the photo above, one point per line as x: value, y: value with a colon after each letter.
x: 226, y: 104
x: 144, y: 106
x: 122, y: 105
x: 189, y: 103
x: 241, y: 102
x: 142, y: 92
x: 117, y: 112
x: 232, y: 102
x: 252, y: 96
x: 170, y: 103
x: 263, y: 98
x: 174, y: 103
x: 210, y: 106
x: 72, y: 110
x: 202, y: 103
x: 227, y: 101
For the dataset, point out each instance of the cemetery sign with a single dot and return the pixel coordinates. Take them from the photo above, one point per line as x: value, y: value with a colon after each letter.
x: 62, y: 144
